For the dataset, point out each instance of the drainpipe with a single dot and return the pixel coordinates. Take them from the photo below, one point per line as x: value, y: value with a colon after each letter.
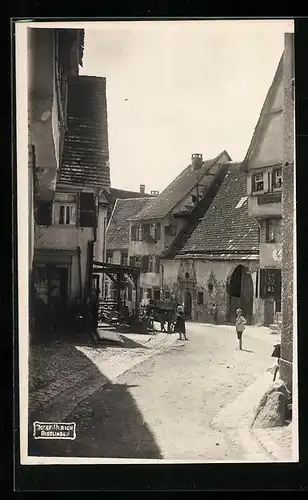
x: 104, y: 256
x: 79, y: 268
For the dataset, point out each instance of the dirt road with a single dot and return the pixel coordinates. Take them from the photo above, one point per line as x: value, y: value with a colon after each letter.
x: 165, y: 406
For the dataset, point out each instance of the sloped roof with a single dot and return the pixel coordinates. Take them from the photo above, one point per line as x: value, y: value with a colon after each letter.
x: 176, y: 191
x: 85, y: 161
x: 122, y: 194
x: 264, y: 113
x: 226, y: 227
x: 118, y: 226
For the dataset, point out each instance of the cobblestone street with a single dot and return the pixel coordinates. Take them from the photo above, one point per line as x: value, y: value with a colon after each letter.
x: 156, y: 397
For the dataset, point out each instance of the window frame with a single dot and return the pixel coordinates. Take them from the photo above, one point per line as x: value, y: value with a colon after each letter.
x: 139, y: 232
x: 255, y: 183
x: 56, y: 208
x: 274, y: 172
x: 199, y: 295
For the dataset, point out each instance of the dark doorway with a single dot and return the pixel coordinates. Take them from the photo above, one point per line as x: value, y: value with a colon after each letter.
x: 187, y: 305
x: 240, y: 294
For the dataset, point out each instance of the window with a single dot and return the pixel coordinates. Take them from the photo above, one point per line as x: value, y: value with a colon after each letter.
x: 170, y: 230
x: 141, y: 293
x: 200, y: 298
x: 210, y: 287
x: 124, y: 259
x: 153, y: 231
x: 258, y: 183
x: 149, y: 293
x: 109, y: 258
x: 277, y: 178
x: 194, y: 198
x: 64, y: 214
x: 86, y: 210
x: 156, y: 294
x: 129, y: 293
x: 273, y: 230
x: 137, y: 260
x: 152, y: 263
x: 166, y: 295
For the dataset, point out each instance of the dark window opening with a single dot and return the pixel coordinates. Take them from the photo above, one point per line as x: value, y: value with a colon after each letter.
x: 277, y: 178
x: 167, y: 295
x: 149, y: 293
x: 44, y: 213
x: 109, y: 257
x: 273, y: 230
x: 156, y: 294
x: 210, y: 287
x: 236, y: 282
x: 200, y: 298
x: 129, y: 293
x: 124, y: 259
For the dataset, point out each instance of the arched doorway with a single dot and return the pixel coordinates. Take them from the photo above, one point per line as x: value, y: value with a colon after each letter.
x: 187, y: 304
x: 240, y: 293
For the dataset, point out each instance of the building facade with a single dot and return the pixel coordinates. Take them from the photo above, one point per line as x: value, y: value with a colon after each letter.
x: 53, y: 56
x: 168, y: 217
x: 217, y: 265
x: 263, y: 165
x: 70, y: 230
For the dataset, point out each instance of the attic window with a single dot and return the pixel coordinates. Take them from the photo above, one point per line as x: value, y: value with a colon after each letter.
x: 241, y: 202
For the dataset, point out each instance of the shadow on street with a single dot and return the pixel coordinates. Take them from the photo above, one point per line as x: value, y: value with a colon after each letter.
x: 108, y: 421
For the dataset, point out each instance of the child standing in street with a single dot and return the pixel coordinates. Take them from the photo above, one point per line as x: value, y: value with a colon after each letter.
x: 240, y: 323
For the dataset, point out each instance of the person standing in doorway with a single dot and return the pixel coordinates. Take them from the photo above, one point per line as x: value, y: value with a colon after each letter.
x: 240, y: 323
x: 180, y: 326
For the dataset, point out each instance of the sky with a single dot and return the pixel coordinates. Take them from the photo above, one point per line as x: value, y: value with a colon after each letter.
x: 180, y: 87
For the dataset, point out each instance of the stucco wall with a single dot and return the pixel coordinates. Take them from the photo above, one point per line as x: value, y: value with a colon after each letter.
x: 201, y: 273
x: 288, y: 218
x: 266, y: 210
x: 67, y: 238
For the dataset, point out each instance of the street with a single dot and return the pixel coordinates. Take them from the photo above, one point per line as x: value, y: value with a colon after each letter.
x: 165, y: 406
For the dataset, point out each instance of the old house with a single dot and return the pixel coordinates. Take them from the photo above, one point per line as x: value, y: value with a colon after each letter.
x: 118, y: 237
x: 54, y: 55
x: 153, y: 230
x: 263, y: 165
x: 218, y: 263
x: 71, y: 225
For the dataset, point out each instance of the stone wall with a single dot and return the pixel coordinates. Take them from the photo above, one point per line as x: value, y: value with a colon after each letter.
x: 288, y: 218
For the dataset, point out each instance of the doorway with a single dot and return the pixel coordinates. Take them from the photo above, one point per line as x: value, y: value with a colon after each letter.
x: 187, y: 305
x: 240, y: 294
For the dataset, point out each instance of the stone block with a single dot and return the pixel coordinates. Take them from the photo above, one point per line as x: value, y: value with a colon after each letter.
x: 272, y: 409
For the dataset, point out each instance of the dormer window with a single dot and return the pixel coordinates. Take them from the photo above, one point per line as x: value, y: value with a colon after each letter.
x: 277, y: 178
x: 258, y: 183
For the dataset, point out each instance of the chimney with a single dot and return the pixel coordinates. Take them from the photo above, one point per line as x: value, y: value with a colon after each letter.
x: 142, y: 188
x: 196, y: 160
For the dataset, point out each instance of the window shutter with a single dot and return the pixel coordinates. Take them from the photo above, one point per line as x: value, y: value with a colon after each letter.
x: 133, y: 233
x: 158, y: 231
x: 146, y: 231
x: 86, y: 209
x: 157, y: 264
x: 145, y: 263
x: 44, y: 215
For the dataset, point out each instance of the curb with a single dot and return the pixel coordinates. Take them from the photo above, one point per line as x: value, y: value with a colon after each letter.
x: 258, y: 445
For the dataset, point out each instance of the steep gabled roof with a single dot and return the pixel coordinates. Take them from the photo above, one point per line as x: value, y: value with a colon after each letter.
x: 177, y: 190
x: 226, y: 227
x: 264, y: 115
x: 86, y: 151
x: 118, y: 226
